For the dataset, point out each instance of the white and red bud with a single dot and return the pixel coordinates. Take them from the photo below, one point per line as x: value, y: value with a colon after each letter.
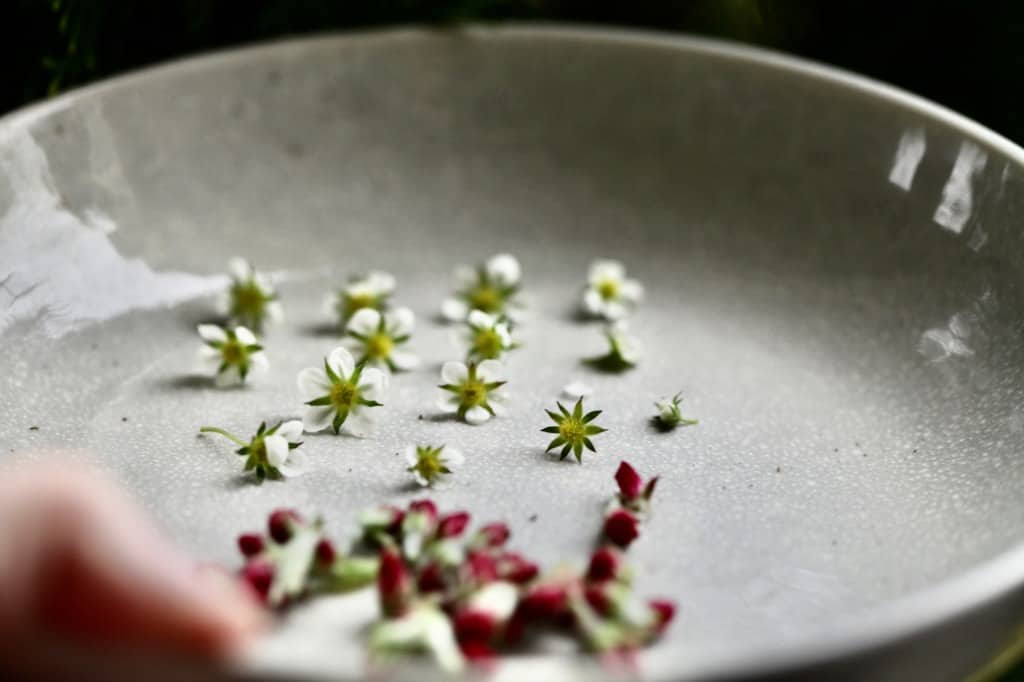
x: 516, y: 568
x: 482, y: 567
x: 664, y: 611
x: 281, y: 525
x: 452, y: 525
x: 605, y: 564
x: 431, y: 578
x: 493, y: 535
x: 394, y: 587
x: 621, y: 527
x: 259, y: 576
x: 630, y: 484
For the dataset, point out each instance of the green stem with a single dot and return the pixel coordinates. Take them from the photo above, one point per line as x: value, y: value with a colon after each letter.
x: 214, y: 429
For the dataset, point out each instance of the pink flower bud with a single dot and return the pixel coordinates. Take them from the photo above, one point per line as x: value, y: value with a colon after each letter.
x: 325, y: 552
x: 544, y: 601
x: 482, y: 567
x: 281, y: 524
x: 598, y: 599
x: 478, y: 652
x: 516, y: 569
x: 452, y: 525
x: 393, y: 584
x: 250, y: 544
x: 664, y: 612
x: 476, y: 626
x: 431, y: 578
x: 493, y: 534
x: 259, y: 575
x: 604, y: 565
x: 425, y: 507
x: 620, y: 527
x: 630, y: 483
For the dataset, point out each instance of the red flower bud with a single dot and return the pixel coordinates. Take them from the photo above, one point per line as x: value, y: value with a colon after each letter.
x: 425, y: 507
x: 597, y: 597
x: 516, y: 569
x: 604, y: 565
x: 620, y: 527
x: 452, y: 525
x: 664, y: 612
x: 259, y: 575
x: 474, y: 626
x: 250, y: 544
x: 281, y: 524
x: 393, y: 584
x: 493, y: 534
x: 325, y: 552
x: 431, y: 578
x: 630, y: 483
x: 478, y: 652
x: 544, y: 601
x: 482, y: 567
x: 397, y: 515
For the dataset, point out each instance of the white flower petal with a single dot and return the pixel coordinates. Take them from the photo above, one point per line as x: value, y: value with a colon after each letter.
x: 504, y: 269
x: 291, y: 431
x: 360, y: 422
x: 411, y: 458
x: 452, y: 458
x: 212, y: 333
x: 632, y: 290
x: 364, y: 322
x: 258, y: 362
x: 497, y: 599
x: 313, y: 383
x: 277, y: 450
x: 295, y: 466
x: 229, y: 377
x: 222, y: 303
x: 405, y: 361
x: 490, y: 370
x: 380, y: 282
x: 447, y: 402
x: 504, y: 334
x: 263, y: 283
x: 420, y: 478
x: 577, y: 389
x: 614, y: 310
x: 630, y: 349
x: 244, y: 336
x: 480, y: 320
x: 477, y: 415
x: 239, y: 269
x: 342, y: 362
x: 592, y: 302
x: 606, y: 270
x: 497, y: 403
x: 454, y: 310
x: 373, y: 384
x: 316, y: 418
x: 209, y: 358
x: 400, y: 322
x: 465, y: 277
x: 454, y: 372
x: 275, y: 312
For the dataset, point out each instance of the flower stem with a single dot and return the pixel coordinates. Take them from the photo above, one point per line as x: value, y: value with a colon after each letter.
x: 214, y: 429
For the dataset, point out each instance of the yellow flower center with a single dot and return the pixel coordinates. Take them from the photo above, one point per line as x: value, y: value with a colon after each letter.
x: 247, y: 300
x: 428, y: 464
x: 355, y: 302
x: 379, y: 346
x: 608, y: 288
x: 232, y: 352
x: 473, y: 393
x: 572, y: 430
x: 344, y: 395
x: 486, y: 298
x: 488, y: 344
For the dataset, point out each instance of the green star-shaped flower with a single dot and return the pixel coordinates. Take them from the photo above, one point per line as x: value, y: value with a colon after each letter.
x: 573, y: 430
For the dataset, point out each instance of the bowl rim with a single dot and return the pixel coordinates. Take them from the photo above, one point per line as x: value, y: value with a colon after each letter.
x: 887, y: 624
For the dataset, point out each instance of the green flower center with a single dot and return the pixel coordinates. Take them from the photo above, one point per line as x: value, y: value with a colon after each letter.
x: 344, y: 395
x: 486, y: 298
x: 572, y: 430
x: 355, y: 302
x: 233, y: 352
x: 247, y: 300
x: 258, y: 450
x: 488, y: 344
x: 379, y: 346
x: 428, y: 463
x: 608, y: 288
x: 472, y: 393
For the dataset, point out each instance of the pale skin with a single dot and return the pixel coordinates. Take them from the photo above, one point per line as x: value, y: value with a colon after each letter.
x: 89, y: 589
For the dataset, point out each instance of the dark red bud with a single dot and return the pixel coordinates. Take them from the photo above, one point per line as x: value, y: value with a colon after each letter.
x: 425, y: 507
x: 604, y: 565
x: 250, y: 544
x: 431, y: 578
x: 664, y: 612
x: 475, y: 626
x: 544, y: 601
x: 453, y: 525
x: 281, y: 523
x: 649, y: 488
x: 620, y: 527
x: 494, y: 534
x: 325, y: 552
x: 393, y: 586
x: 630, y: 483
x: 259, y: 575
x: 478, y: 652
x: 598, y: 599
x: 397, y: 516
x: 482, y: 567
x: 517, y: 569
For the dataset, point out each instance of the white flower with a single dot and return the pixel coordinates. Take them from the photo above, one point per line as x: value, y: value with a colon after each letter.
x: 234, y: 354
x: 250, y: 298
x: 473, y: 392
x: 574, y: 390
x: 609, y: 294
x: 490, y: 288
x: 428, y: 463
x: 669, y: 415
x: 624, y: 350
x: 341, y: 394
x: 271, y: 452
x: 376, y: 338
x: 370, y: 291
x: 486, y: 337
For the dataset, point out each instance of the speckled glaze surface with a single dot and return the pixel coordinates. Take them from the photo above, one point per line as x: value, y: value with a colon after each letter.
x: 833, y: 273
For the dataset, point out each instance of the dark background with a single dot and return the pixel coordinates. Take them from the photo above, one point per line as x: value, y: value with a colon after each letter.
x: 966, y: 55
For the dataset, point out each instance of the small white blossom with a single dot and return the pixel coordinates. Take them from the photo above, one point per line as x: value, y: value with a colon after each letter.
x: 485, y: 337
x: 574, y: 390
x: 371, y: 291
x: 250, y: 298
x: 609, y: 294
x: 624, y: 350
x: 233, y: 354
x: 490, y: 288
x: 669, y: 415
x: 427, y: 463
x: 271, y: 452
x: 473, y: 392
x: 341, y: 394
x: 377, y: 338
